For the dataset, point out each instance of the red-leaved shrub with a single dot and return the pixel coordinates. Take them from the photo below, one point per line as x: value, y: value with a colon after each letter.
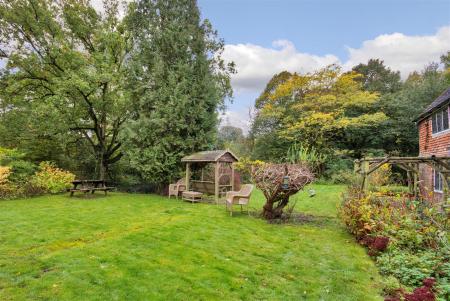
x: 423, y: 293
x: 429, y: 282
x: 380, y: 243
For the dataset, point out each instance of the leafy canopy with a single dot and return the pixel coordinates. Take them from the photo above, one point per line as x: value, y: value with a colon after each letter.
x: 321, y: 109
x: 66, y: 65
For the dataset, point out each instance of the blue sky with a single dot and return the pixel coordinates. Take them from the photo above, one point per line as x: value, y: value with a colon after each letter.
x: 406, y: 34
x: 264, y: 37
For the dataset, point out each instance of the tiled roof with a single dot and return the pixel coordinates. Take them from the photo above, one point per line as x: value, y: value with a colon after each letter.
x: 436, y: 104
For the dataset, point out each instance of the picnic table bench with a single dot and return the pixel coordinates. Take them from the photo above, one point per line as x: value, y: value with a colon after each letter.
x: 91, y: 186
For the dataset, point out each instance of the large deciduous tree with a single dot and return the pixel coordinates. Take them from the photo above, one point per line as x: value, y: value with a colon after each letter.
x: 179, y: 82
x: 399, y: 133
x: 376, y: 77
x: 66, y: 62
x: 326, y: 109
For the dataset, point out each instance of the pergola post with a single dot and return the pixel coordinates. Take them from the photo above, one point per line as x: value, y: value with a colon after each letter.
x: 364, y: 169
x: 232, y: 177
x: 410, y: 184
x: 216, y: 182
x: 188, y: 175
x: 444, y: 188
x: 415, y: 185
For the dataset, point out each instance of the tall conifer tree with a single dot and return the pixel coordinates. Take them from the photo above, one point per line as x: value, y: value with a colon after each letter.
x: 179, y: 82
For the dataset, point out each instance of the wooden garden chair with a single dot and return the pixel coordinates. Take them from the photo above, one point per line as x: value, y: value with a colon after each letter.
x: 241, y: 197
x: 177, y: 188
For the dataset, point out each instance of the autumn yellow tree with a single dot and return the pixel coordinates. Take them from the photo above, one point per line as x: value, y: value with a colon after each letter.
x: 326, y: 109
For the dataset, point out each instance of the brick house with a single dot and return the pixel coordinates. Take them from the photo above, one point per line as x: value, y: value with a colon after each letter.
x: 434, y: 139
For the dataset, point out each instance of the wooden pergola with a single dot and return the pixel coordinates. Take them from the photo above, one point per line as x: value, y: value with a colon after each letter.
x: 366, y: 166
x: 216, y: 181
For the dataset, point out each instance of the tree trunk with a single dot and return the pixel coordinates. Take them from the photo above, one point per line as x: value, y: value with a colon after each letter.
x: 101, y: 167
x: 269, y: 212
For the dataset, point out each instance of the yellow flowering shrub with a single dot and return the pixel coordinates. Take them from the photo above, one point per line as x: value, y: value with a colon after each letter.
x: 245, y: 164
x: 5, y: 172
x: 244, y: 167
x: 6, y: 187
x: 381, y: 176
x: 51, y: 179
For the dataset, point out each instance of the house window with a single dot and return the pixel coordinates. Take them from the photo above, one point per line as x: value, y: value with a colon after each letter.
x: 437, y: 180
x: 440, y: 121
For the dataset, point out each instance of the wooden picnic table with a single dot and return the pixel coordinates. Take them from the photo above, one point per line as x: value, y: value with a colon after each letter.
x: 87, y: 186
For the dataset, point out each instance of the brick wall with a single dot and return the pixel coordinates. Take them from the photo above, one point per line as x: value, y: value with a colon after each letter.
x: 431, y: 144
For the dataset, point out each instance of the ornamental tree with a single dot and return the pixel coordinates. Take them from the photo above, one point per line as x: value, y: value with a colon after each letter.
x: 278, y: 182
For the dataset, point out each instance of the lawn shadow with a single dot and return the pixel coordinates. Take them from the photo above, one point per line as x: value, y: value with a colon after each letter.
x: 87, y: 196
x: 297, y: 218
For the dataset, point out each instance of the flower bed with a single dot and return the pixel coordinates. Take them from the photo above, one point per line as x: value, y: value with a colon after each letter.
x: 408, y: 240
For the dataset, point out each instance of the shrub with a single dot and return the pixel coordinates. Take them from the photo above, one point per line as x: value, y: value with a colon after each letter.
x: 344, y: 177
x: 337, y: 164
x: 309, y: 155
x: 410, y: 224
x: 423, y: 293
x: 6, y: 188
x: 21, y: 171
x: 381, y: 176
x: 409, y: 267
x: 51, y: 179
x: 391, y: 287
x: 408, y: 238
x: 5, y: 172
x: 244, y: 166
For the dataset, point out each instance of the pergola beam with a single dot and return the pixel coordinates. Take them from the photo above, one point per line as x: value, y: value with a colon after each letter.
x: 366, y: 166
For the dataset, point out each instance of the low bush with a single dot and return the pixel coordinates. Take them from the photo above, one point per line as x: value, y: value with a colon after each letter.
x: 6, y: 188
x: 391, y: 287
x: 409, y: 267
x: 344, y: 177
x: 380, y: 177
x: 51, y: 179
x: 21, y: 171
x: 20, y: 178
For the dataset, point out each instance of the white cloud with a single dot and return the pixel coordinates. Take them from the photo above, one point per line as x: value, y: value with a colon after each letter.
x: 98, y: 5
x: 402, y: 52
x: 236, y: 118
x: 256, y: 65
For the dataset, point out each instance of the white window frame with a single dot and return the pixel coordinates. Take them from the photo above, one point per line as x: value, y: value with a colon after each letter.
x: 437, y: 121
x: 440, y: 183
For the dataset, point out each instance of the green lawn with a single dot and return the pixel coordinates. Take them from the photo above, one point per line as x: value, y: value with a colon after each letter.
x: 147, y: 247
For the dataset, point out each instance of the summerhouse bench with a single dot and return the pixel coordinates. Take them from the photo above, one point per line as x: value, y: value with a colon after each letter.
x: 192, y: 196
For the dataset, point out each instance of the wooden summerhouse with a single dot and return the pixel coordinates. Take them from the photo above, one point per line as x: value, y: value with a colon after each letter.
x: 211, y: 172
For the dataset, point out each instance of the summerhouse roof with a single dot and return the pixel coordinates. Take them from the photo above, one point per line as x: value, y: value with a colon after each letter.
x: 211, y: 156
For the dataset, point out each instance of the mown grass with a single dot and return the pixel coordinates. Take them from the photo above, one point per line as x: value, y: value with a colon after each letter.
x: 147, y: 247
